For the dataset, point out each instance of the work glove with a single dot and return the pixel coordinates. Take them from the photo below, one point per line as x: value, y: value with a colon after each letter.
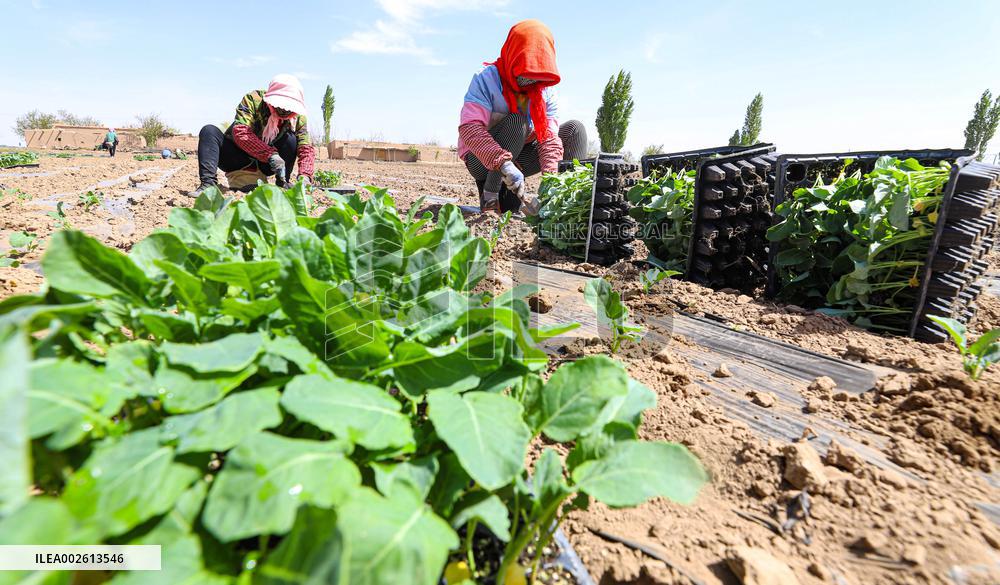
x: 489, y: 202
x: 513, y: 178
x: 305, y: 180
x: 277, y: 165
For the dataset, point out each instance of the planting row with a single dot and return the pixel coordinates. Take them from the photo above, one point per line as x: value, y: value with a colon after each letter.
x: 275, y: 394
x: 869, y: 236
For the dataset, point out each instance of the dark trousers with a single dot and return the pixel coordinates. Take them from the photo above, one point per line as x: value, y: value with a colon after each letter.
x: 216, y: 151
x: 111, y: 146
x: 510, y: 134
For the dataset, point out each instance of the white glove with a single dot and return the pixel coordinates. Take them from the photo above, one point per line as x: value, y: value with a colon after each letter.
x: 305, y: 180
x: 513, y: 178
x: 277, y: 166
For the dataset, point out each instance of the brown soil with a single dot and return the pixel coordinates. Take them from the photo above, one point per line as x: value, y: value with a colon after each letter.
x: 865, y: 525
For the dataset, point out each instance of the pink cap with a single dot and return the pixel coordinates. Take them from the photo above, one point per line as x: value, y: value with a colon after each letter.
x: 285, y: 92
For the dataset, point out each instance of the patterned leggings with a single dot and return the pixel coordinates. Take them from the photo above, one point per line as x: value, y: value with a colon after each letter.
x: 510, y: 133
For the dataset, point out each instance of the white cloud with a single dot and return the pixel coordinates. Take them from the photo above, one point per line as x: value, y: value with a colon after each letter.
x: 397, y: 34
x: 244, y: 62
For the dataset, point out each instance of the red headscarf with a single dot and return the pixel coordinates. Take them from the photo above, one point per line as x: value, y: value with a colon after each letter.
x: 529, y: 51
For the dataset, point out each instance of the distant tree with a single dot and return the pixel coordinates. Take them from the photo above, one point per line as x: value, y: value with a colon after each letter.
x: 329, y: 102
x: 983, y: 125
x: 615, y: 111
x: 752, y: 122
x: 652, y: 149
x: 38, y: 120
x: 34, y: 120
x: 152, y: 128
x: 74, y: 120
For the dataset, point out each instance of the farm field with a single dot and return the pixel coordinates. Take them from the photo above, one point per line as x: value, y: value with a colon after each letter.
x: 908, y: 491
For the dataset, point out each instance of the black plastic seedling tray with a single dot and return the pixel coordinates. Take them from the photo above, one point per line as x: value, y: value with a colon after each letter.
x: 687, y: 159
x: 732, y: 213
x: 794, y: 171
x: 966, y: 229
x: 610, y: 230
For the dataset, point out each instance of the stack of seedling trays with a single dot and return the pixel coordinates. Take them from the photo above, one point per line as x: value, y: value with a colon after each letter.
x: 610, y: 231
x: 667, y: 230
x: 966, y: 230
x: 732, y: 213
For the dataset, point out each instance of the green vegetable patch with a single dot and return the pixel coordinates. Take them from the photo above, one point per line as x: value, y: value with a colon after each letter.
x: 276, y: 393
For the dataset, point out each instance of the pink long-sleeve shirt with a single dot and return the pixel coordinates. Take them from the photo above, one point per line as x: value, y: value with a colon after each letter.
x: 485, y: 106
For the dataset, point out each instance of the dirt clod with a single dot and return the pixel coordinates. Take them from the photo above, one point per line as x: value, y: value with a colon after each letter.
x: 722, y: 371
x: 822, y: 385
x: 803, y: 467
x: 915, y: 554
x: 754, y: 566
x: 842, y: 457
x: 764, y: 399
x: 872, y: 541
x: 540, y: 303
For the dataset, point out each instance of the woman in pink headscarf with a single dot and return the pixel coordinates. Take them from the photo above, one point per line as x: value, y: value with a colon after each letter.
x: 268, y: 134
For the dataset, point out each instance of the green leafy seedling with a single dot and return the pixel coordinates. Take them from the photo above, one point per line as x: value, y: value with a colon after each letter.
x: 651, y: 277
x: 498, y: 231
x: 977, y: 356
x: 607, y: 303
x: 59, y: 216
x: 21, y: 244
x: 91, y: 199
x: 23, y: 196
x: 326, y: 178
x: 15, y: 192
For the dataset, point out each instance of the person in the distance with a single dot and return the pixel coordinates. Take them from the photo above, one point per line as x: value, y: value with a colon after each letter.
x: 111, y: 141
x: 509, y: 126
x: 269, y: 133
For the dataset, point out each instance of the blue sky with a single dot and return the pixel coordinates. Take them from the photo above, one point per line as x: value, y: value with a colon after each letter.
x: 835, y: 75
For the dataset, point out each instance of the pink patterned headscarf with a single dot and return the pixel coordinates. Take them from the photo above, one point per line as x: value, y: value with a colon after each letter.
x: 283, y: 92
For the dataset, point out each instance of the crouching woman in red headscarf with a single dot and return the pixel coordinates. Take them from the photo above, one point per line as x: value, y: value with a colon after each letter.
x: 509, y: 125
x: 268, y: 134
